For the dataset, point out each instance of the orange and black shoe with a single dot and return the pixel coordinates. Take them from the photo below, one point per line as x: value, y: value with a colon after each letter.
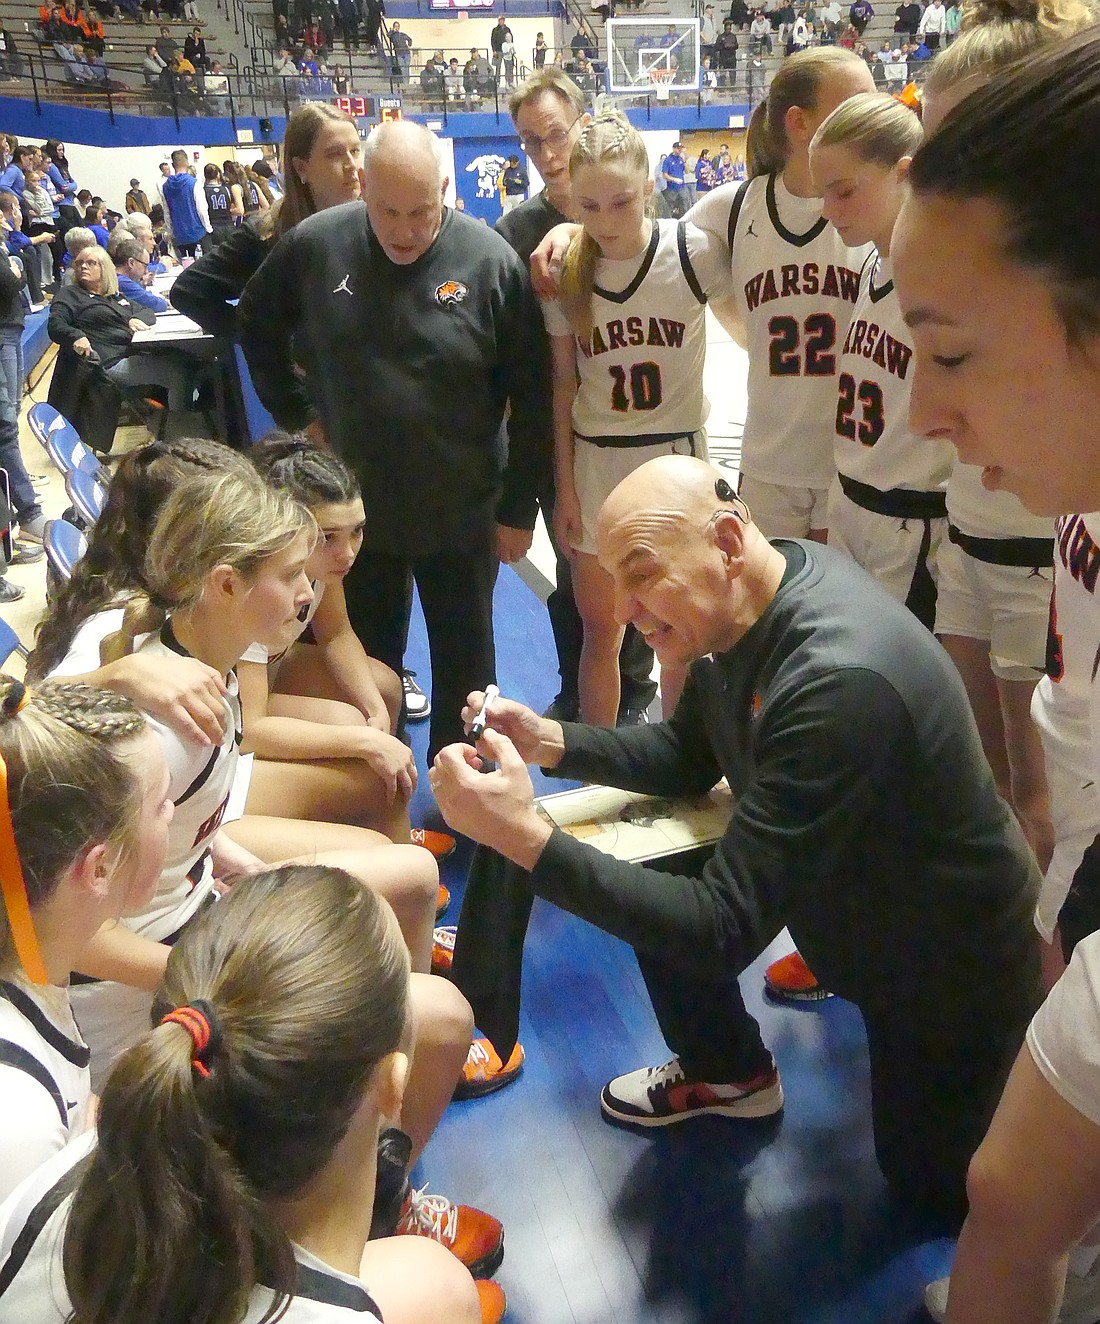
x: 475, y: 1237
x: 443, y: 949
x: 441, y: 844
x: 790, y: 979
x: 442, y: 901
x: 485, y: 1073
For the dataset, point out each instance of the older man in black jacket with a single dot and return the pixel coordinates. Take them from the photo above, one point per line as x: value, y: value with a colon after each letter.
x: 417, y: 329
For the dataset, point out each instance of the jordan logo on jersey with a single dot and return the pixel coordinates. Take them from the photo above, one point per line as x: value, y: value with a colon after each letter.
x: 662, y: 332
x: 868, y: 339
x: 1078, y: 551
x: 836, y: 283
x: 343, y: 287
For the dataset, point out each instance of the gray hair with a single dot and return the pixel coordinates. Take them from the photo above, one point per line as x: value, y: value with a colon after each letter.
x: 124, y: 246
x: 378, y: 138
x: 77, y: 238
x: 136, y: 221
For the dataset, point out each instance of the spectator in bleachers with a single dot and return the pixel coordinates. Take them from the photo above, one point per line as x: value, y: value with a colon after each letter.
x: 860, y: 14
x: 432, y: 85
x: 402, y: 49
x: 166, y: 44
x: 132, y: 270
x: 953, y: 21
x: 153, y: 66
x: 194, y: 49
x: 284, y: 67
x: 49, y: 20
x: 725, y: 50
x: 739, y: 14
x: 933, y: 24
x: 347, y: 22
x: 452, y: 79
x: 91, y: 27
x: 69, y: 20
x: 216, y: 89
x: 38, y: 222
x: 907, y: 18
x: 93, y: 220
x: 313, y: 41
x: 11, y: 62
x: 22, y: 246
x: 760, y: 33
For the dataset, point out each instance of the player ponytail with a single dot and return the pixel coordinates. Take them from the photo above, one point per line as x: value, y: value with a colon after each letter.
x: 1027, y: 144
x: 797, y: 82
x: 610, y: 138
x: 67, y: 786
x: 874, y: 126
x: 233, y: 519
x: 287, y: 1003
x: 112, y: 569
x: 309, y: 474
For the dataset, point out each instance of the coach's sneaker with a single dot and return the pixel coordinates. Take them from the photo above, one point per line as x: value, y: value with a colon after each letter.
x: 661, y: 1096
x: 441, y: 844
x: 491, y: 1299
x: 442, y: 901
x: 475, y: 1237
x: 417, y: 706
x: 485, y: 1073
x: 443, y: 949
x: 790, y: 979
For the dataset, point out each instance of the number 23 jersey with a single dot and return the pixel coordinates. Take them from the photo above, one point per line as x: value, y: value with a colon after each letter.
x: 641, y: 370
x: 795, y: 284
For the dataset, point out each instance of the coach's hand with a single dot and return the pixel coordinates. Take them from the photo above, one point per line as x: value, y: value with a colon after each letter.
x: 535, y: 739
x: 546, y: 260
x: 495, y: 808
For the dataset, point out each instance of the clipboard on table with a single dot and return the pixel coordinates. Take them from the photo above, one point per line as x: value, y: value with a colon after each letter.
x: 635, y: 828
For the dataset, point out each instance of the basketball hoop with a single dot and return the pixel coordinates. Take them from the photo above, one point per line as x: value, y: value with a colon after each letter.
x: 662, y: 81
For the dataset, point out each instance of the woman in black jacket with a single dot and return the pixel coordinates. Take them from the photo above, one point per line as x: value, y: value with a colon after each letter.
x: 322, y: 156
x: 91, y: 317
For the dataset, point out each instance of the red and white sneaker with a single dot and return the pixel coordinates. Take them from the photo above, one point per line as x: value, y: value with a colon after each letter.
x: 485, y: 1073
x: 790, y: 979
x: 441, y: 844
x: 476, y: 1238
x: 443, y: 949
x: 662, y: 1096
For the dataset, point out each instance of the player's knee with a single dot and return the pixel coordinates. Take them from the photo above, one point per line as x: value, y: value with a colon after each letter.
x: 444, y: 1016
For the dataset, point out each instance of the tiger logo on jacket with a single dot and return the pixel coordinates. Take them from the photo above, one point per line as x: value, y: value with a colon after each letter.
x: 451, y: 293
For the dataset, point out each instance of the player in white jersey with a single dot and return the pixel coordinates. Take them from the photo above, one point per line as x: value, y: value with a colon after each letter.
x: 1062, y: 710
x: 289, y: 1003
x: 85, y: 794
x: 796, y: 282
x: 1007, y: 367
x: 887, y: 507
x: 628, y: 337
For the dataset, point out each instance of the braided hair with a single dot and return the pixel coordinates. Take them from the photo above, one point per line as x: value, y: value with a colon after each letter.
x: 310, y: 475
x: 68, y: 786
x: 111, y: 571
x: 610, y: 138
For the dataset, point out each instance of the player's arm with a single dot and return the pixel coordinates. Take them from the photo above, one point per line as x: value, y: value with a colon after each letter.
x: 713, y: 214
x: 567, y: 510
x: 709, y: 255
x: 269, y: 312
x: 345, y: 656
x: 118, y: 953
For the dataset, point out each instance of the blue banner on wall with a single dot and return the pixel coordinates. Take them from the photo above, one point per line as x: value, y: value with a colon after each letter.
x: 479, y: 164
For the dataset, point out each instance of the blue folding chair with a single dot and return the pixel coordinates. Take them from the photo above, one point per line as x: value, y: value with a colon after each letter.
x: 62, y: 443
x: 9, y: 643
x: 65, y: 545
x: 87, y: 494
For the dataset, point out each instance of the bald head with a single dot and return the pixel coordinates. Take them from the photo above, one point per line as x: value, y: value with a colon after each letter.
x: 690, y: 569
x: 406, y: 147
x: 403, y: 187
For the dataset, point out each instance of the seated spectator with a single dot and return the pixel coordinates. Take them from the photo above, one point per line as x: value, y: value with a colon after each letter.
x: 194, y: 49
x: 340, y: 81
x: 452, y: 78
x: 91, y: 317
x: 830, y: 15
x: 153, y: 66
x: 860, y: 14
x: 93, y: 220
x: 91, y: 27
x: 314, y: 38
x: 216, y: 88
x: 307, y: 65
x: 132, y: 270
x: 432, y: 85
x: 69, y: 20
x: 760, y: 33
x: 284, y: 65
x: 167, y: 46
x: 49, y: 20
x: 39, y: 224
x: 11, y: 62
x: 77, y: 239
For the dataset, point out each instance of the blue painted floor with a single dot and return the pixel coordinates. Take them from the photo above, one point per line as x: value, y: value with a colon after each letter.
x: 712, y: 1222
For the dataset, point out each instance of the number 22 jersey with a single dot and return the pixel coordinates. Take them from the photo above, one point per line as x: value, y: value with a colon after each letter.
x: 795, y: 285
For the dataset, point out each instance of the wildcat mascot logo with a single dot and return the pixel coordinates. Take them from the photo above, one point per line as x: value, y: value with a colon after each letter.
x: 451, y: 293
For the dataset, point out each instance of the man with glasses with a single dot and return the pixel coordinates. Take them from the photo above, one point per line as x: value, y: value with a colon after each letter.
x: 864, y: 817
x: 132, y: 268
x: 549, y: 112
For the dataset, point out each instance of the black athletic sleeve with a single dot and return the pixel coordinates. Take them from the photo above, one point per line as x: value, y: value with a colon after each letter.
x: 1080, y: 913
x: 524, y: 361
x: 203, y: 290
x: 269, y: 310
x: 829, y: 756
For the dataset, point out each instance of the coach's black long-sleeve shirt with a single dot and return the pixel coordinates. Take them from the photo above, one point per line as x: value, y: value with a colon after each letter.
x: 410, y: 370
x: 204, y: 290
x: 865, y: 816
